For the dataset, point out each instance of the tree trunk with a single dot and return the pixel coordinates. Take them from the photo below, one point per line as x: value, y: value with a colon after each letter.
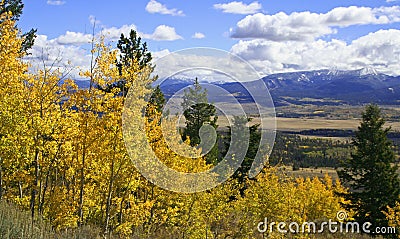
x: 20, y: 189
x: 41, y: 202
x: 1, y: 178
x: 120, y: 216
x: 109, y: 197
x: 35, y: 183
x: 81, y: 190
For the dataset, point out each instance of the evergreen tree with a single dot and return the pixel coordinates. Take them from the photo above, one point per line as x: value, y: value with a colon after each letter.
x: 199, y: 112
x: 155, y: 104
x: 131, y: 50
x: 15, y: 7
x: 157, y: 99
x: 254, y: 142
x: 370, y: 172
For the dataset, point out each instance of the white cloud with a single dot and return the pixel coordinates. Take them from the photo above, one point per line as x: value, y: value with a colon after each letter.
x: 55, y: 2
x: 64, y: 57
x: 238, y: 7
x: 389, y: 1
x: 205, y: 63
x: 67, y: 52
x: 155, y: 7
x: 163, y: 33
x: 159, y: 54
x: 198, y: 35
x: 378, y: 50
x: 114, y: 33
x: 74, y: 38
x: 303, y: 26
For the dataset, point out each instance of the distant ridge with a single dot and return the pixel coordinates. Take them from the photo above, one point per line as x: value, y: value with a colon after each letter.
x: 352, y: 87
x: 334, y: 86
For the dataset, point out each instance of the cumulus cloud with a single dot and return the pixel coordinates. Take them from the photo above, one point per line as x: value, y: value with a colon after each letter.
x: 69, y: 52
x: 114, y: 33
x: 68, y: 58
x: 198, y: 35
x: 163, y: 33
x: 238, y: 7
x: 74, y: 38
x: 55, y: 2
x: 158, y: 54
x: 378, y: 50
x: 205, y: 63
x: 155, y: 7
x: 306, y: 26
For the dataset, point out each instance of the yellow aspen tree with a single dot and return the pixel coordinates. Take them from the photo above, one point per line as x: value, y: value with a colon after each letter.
x: 116, y: 161
x: 87, y: 138
x: 44, y: 96
x: 112, y: 171
x: 12, y: 76
x: 285, y: 199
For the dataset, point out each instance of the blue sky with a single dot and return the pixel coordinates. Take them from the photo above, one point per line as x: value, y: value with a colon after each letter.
x: 274, y: 36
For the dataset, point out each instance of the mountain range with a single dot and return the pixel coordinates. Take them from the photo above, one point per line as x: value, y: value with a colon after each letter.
x: 322, y: 87
x: 332, y: 87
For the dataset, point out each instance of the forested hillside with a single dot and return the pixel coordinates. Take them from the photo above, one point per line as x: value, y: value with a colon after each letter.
x: 64, y: 162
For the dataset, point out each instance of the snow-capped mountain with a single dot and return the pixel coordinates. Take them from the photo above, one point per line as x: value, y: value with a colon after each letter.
x: 346, y: 87
x: 353, y: 87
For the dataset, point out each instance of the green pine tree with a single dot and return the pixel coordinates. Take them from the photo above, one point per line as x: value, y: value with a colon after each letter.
x: 199, y: 112
x: 15, y: 7
x: 254, y: 143
x: 156, y: 104
x: 157, y: 98
x: 131, y: 49
x: 371, y: 173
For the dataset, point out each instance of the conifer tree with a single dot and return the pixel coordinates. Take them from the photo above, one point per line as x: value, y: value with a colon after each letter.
x: 132, y: 52
x: 155, y: 103
x: 254, y: 143
x: 15, y: 7
x: 371, y: 172
x: 199, y: 112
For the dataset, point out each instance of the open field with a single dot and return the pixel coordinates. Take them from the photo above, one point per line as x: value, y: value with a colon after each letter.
x: 297, y: 124
x: 322, y: 123
x: 341, y: 139
x: 305, y: 117
x: 292, y: 124
x: 309, y: 172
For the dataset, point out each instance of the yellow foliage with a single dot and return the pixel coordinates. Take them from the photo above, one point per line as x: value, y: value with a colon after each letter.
x: 63, y: 156
x: 393, y: 216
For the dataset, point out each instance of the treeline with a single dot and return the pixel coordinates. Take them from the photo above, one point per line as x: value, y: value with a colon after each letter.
x: 324, y: 132
x: 304, y: 152
x: 295, y: 148
x: 336, y: 133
